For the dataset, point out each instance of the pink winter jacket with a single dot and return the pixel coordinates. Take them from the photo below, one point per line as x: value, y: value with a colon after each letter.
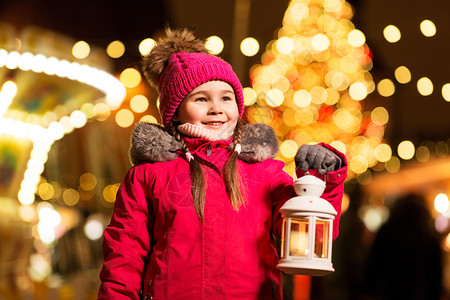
x: 155, y: 246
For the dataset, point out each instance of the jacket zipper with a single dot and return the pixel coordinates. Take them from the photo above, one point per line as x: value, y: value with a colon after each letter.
x: 208, y: 150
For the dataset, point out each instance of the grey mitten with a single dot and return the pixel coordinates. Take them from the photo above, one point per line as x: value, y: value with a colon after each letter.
x: 318, y: 158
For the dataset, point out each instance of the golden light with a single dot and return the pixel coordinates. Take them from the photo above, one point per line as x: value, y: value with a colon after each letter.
x: 46, y: 191
x: 406, y: 150
x: 250, y: 96
x: 214, y: 44
x: 358, y: 91
x: 302, y: 98
x: 249, y: 46
x: 339, y: 145
x: 379, y: 115
x: 343, y: 118
x: 274, y: 97
x: 319, y: 95
x: 402, y: 74
x: 320, y: 42
x: 139, y: 103
x: 88, y: 181
x: 149, y: 119
x: 146, y: 45
x: 280, y: 82
x: 88, y: 109
x: 427, y: 28
x: 130, y: 77
x: 102, y: 111
x: 81, y: 50
x: 299, y: 11
x: 391, y: 33
x: 115, y: 49
x: 285, y: 45
x: 109, y: 193
x: 7, y: 93
x: 356, y: 38
x: 393, y: 165
x: 288, y: 148
x: 383, y: 152
x: 441, y: 203
x: 358, y: 164
x: 446, y: 92
x: 124, y: 118
x: 78, y: 119
x: 71, y: 197
x: 332, y: 96
x: 447, y: 243
x: 423, y: 154
x: 386, y: 88
x: 425, y: 86
x: 332, y: 5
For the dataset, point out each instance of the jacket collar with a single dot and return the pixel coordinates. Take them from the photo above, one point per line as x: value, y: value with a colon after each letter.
x: 152, y: 143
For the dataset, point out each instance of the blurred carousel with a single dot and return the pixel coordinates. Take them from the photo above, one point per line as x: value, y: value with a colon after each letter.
x: 46, y: 93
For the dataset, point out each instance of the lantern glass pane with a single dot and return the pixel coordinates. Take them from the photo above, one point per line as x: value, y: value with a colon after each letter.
x: 321, y: 241
x: 298, y: 243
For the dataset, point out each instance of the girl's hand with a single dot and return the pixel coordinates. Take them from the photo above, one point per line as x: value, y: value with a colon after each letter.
x: 318, y: 158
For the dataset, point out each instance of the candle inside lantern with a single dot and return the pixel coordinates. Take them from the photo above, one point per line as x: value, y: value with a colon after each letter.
x: 299, y: 237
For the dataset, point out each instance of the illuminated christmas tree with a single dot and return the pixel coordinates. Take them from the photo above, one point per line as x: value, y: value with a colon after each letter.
x: 311, y: 82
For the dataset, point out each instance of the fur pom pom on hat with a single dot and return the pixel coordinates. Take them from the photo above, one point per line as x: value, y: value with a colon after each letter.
x: 178, y: 64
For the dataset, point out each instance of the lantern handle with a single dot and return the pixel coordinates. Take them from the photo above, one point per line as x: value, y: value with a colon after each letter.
x: 307, y: 173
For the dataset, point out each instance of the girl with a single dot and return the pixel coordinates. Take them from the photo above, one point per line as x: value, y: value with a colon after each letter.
x: 196, y: 216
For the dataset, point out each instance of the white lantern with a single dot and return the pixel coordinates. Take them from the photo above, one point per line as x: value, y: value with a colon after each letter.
x: 306, y: 243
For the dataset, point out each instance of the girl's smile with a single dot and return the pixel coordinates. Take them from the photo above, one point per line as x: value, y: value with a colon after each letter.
x: 211, y: 105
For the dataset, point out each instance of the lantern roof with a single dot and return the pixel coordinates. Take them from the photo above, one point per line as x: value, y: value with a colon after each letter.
x: 308, y: 204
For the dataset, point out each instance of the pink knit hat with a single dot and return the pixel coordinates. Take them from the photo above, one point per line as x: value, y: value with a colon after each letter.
x: 185, y: 72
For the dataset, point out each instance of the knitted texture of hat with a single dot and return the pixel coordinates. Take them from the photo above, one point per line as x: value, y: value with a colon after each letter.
x: 185, y: 72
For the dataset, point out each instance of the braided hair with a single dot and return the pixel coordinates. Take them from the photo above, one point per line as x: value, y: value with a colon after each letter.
x: 233, y: 183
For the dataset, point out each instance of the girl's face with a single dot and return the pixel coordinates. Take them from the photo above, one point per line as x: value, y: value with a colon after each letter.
x: 211, y: 105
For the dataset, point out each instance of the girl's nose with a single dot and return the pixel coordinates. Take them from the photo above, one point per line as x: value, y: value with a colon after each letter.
x: 215, y: 109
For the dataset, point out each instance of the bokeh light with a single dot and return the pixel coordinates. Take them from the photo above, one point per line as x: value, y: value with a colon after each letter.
x: 392, y: 34
x: 274, y: 97
x: 441, y: 203
x: 425, y: 86
x: 379, y: 115
x: 285, y: 45
x: 402, y: 74
x: 427, y: 28
x: 130, y: 77
x: 148, y: 119
x: 124, y: 118
x: 88, y: 181
x: 214, y: 44
x: 356, y: 38
x: 115, y: 49
x: 250, y: 96
x: 446, y: 92
x: 406, y: 150
x: 139, y: 103
x: 386, y: 88
x: 81, y: 50
x: 249, y: 46
x: 146, y: 45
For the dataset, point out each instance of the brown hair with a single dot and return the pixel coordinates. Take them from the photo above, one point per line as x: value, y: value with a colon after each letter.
x: 233, y: 182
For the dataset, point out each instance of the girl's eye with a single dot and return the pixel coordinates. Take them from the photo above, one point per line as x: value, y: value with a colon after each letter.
x: 201, y: 99
x: 227, y: 98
